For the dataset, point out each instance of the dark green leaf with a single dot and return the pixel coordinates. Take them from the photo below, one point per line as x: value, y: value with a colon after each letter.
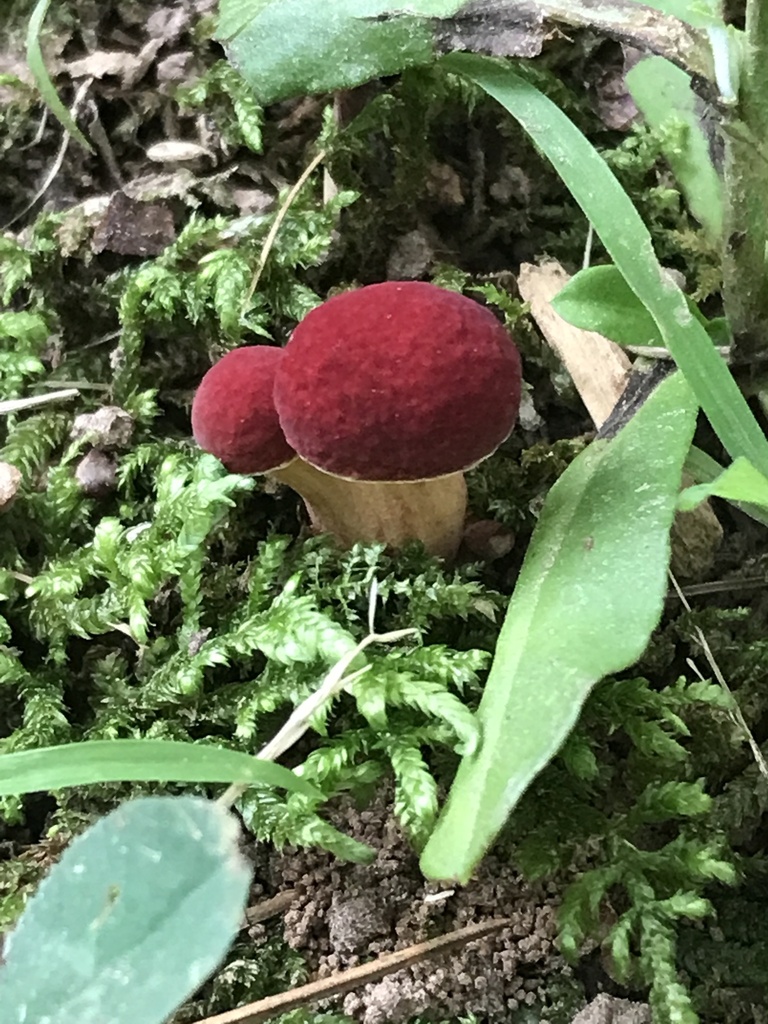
x: 289, y: 47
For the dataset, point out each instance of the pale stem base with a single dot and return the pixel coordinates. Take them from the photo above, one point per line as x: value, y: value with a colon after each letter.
x: 431, y: 511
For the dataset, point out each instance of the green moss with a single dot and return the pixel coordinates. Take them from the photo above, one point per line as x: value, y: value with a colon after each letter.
x: 253, y: 971
x: 190, y: 603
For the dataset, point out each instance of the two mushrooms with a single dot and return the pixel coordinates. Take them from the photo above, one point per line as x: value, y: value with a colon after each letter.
x: 379, y: 402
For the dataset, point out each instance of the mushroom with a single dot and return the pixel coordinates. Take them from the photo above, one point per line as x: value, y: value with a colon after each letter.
x: 379, y: 402
x: 233, y: 415
x: 391, y: 392
x: 234, y: 418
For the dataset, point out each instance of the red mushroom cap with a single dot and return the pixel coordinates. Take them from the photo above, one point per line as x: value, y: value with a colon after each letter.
x: 398, y: 381
x: 233, y: 413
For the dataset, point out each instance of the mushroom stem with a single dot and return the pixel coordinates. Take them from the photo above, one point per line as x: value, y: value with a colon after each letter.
x: 431, y: 511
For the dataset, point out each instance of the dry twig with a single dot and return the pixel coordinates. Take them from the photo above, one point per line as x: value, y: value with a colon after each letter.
x: 736, y: 713
x: 269, y: 241
x: 271, y: 907
x: 17, y: 404
x: 345, y: 981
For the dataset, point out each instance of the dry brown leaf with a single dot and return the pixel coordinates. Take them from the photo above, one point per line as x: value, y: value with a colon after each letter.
x: 598, y: 367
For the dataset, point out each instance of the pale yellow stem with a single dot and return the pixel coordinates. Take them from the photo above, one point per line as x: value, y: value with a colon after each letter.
x: 431, y: 511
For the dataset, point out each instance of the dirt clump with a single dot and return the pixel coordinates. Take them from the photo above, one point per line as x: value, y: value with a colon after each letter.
x: 607, y: 1009
x: 345, y: 914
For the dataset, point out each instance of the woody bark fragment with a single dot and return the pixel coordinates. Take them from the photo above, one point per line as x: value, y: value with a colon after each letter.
x: 600, y: 372
x: 598, y: 367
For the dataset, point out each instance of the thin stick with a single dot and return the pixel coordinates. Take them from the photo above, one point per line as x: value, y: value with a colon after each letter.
x: 335, y: 680
x: 59, y: 160
x: 17, y: 404
x: 344, y: 981
x: 22, y: 577
x: 269, y: 241
x: 271, y: 907
x: 80, y: 385
x: 39, y: 133
x: 723, y: 586
x: 736, y: 712
x: 298, y: 723
x: 588, y: 246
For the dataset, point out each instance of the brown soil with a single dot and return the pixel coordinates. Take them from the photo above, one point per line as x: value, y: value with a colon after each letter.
x: 344, y: 914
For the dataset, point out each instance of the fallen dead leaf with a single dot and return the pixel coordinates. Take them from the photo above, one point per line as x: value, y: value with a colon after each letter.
x: 598, y: 367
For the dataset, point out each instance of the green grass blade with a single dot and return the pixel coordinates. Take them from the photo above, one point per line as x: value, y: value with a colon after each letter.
x: 589, y: 595
x: 83, y: 764
x: 43, y: 79
x: 617, y: 222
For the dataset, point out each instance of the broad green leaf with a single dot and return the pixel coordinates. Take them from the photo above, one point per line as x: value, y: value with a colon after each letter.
x: 138, y: 912
x: 43, y: 79
x: 739, y: 482
x: 290, y: 47
x: 83, y: 764
x: 589, y: 594
x: 599, y: 299
x: 662, y: 92
x: 597, y: 191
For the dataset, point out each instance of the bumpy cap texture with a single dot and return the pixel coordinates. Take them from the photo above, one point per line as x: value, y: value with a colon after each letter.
x: 398, y: 381
x: 233, y: 413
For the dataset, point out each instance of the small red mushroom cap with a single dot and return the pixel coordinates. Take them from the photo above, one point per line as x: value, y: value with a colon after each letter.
x: 233, y: 413
x: 398, y: 381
